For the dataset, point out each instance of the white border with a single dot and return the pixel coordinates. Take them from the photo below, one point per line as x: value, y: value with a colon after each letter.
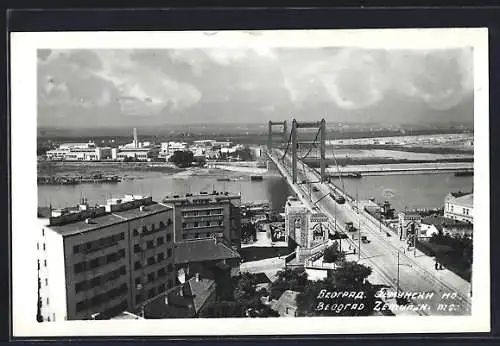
x: 24, y: 188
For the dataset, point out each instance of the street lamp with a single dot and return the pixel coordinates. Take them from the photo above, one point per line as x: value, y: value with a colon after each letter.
x: 400, y: 264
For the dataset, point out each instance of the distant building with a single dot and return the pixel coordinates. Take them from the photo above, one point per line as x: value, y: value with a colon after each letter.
x: 408, y: 222
x: 459, y: 206
x: 141, y: 154
x: 79, y: 152
x: 95, y: 262
x: 437, y: 224
x: 206, y: 216
x: 169, y: 148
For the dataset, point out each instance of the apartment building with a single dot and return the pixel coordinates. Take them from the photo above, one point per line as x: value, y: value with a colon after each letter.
x: 96, y: 262
x: 207, y: 216
x: 459, y: 206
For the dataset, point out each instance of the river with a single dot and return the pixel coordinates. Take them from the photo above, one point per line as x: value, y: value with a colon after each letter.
x: 411, y: 191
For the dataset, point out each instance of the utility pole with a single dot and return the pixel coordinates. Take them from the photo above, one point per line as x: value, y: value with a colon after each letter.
x: 359, y: 238
x: 397, y: 284
x: 414, y: 240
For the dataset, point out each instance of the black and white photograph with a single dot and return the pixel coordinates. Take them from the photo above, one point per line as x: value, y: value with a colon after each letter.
x: 324, y: 176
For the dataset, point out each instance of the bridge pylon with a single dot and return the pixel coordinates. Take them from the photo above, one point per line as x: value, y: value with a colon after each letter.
x: 321, y: 126
x: 271, y: 134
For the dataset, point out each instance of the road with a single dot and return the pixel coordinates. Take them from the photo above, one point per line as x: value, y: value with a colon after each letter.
x: 382, y: 253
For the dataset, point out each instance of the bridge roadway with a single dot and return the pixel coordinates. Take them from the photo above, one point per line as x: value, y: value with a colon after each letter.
x: 416, y: 274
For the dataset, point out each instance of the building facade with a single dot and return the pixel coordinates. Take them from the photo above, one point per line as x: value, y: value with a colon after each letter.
x: 96, y: 262
x: 207, y: 216
x: 408, y: 223
x: 459, y: 206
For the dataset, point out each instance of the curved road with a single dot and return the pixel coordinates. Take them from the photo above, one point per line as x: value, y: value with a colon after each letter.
x: 381, y: 254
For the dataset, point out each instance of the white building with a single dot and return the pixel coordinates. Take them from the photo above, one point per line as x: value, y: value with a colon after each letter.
x: 167, y: 149
x: 437, y: 224
x: 459, y: 206
x: 79, y: 152
x: 95, y: 262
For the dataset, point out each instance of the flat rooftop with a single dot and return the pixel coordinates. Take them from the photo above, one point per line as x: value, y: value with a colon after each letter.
x: 108, y: 219
x: 202, y: 250
x: 150, y: 209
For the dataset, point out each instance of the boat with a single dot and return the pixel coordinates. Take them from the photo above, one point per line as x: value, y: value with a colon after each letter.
x: 464, y: 174
x: 222, y: 179
x: 256, y: 178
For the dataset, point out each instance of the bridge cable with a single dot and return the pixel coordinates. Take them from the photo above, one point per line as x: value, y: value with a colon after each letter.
x: 287, y: 146
x: 314, y: 145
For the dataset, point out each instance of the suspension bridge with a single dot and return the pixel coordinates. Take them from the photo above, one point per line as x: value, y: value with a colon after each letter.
x: 402, y: 269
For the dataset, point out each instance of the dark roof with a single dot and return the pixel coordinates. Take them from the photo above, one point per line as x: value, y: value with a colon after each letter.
x: 148, y: 210
x: 194, y: 298
x: 201, y: 250
x: 459, y: 194
x: 80, y: 226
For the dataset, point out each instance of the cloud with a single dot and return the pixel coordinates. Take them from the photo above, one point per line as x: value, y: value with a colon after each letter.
x: 101, y: 78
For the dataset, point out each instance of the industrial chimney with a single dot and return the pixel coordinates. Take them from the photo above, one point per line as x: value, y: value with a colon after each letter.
x: 135, y: 138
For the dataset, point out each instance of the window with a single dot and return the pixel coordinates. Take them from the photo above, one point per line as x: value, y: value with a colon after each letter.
x: 162, y: 224
x: 44, y: 263
x: 169, y: 253
x: 150, y: 244
x: 151, y: 260
x: 151, y: 277
x: 153, y: 227
x: 160, y: 241
x: 121, y: 253
x: 161, y: 288
x: 195, y: 224
x: 169, y: 237
x: 161, y: 257
x: 139, y: 298
x: 170, y: 283
x: 43, y: 232
x: 43, y: 246
x: 183, y: 225
x: 135, y: 232
x: 209, y: 234
x: 151, y: 293
x: 196, y: 235
x: 37, y: 246
x: 76, y: 249
x: 137, y: 281
x: 170, y: 268
x: 46, y: 282
x: 123, y: 270
x: 137, y: 248
x: 161, y: 272
x: 169, y: 222
x: 185, y: 236
x: 47, y: 300
x: 137, y: 265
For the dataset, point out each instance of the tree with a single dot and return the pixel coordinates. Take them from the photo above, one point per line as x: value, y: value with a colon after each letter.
x: 182, y: 158
x: 288, y: 279
x: 350, y: 274
x: 332, y: 254
x: 349, y: 277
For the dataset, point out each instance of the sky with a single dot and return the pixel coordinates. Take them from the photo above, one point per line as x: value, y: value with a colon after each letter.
x: 129, y: 88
